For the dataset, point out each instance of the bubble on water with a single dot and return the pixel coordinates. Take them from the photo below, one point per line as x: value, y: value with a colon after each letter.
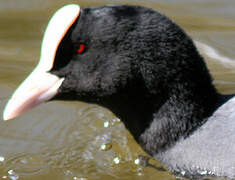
x: 2, y: 159
x: 103, y: 146
x: 111, y: 122
x: 137, y: 161
x: 183, y: 173
x: 106, y: 147
x: 116, y: 160
x: 77, y: 178
x: 10, y: 172
x: 13, y: 175
x: 81, y: 178
x: 139, y: 172
x: 116, y: 120
x: 142, y: 161
x: 106, y: 124
x: 204, y: 172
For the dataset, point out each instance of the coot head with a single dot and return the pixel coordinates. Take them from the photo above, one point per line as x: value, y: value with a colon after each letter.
x: 130, y: 59
x: 133, y: 60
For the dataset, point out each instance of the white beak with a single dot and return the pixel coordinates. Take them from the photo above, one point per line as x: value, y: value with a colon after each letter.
x: 37, y: 88
x: 40, y: 85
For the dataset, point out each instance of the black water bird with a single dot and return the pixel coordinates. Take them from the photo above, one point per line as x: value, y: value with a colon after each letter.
x: 145, y: 69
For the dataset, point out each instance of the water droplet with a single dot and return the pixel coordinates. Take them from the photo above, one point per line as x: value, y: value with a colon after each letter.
x: 142, y: 160
x: 106, y: 124
x: 204, y: 172
x: 2, y: 159
x: 10, y: 172
x: 106, y: 147
x: 77, y: 178
x: 137, y: 161
x: 103, y: 146
x: 139, y: 174
x: 183, y: 172
x: 139, y: 171
x: 116, y: 160
x: 13, y: 175
x: 111, y: 122
x: 115, y: 120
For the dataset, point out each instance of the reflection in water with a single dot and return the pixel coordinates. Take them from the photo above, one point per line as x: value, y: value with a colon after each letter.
x: 74, y: 140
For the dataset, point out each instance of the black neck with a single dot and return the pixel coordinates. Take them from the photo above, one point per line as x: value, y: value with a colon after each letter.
x: 157, y: 126
x: 178, y: 117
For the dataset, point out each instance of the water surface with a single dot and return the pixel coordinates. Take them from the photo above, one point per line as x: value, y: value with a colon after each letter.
x: 74, y: 140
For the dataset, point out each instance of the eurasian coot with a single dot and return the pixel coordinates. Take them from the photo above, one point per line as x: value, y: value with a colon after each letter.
x: 145, y: 69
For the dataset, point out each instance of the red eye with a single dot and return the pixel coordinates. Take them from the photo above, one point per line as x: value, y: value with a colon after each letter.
x: 81, y: 48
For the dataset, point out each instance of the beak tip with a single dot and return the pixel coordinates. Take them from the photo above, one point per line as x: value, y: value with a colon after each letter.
x: 5, y: 117
x: 7, y: 113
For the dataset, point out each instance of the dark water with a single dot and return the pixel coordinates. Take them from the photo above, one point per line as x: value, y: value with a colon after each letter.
x: 78, y: 141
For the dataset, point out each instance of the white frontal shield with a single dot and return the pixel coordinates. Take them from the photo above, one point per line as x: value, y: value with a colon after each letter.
x: 40, y: 85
